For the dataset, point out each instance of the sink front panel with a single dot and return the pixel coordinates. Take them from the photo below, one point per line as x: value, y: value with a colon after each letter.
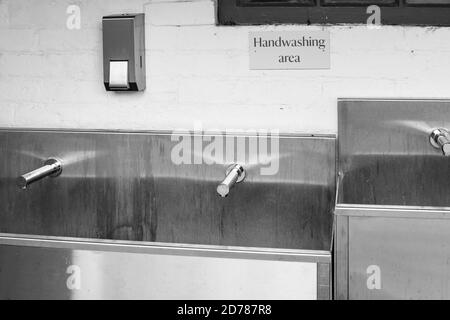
x: 399, y: 258
x: 36, y: 267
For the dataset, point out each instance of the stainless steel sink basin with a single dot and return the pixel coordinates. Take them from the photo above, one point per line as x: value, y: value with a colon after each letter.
x: 144, y: 205
x: 393, y: 204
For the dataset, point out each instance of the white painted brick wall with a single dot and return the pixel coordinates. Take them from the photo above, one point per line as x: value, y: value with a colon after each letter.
x: 181, y: 13
x: 197, y: 71
x: 4, y: 16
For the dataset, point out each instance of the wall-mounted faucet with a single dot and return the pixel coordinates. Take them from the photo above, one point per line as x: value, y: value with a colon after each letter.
x: 440, y: 139
x: 234, y: 174
x: 51, y: 168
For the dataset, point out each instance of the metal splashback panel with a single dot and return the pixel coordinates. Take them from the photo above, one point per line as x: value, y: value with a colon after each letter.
x: 124, y: 186
x: 385, y: 157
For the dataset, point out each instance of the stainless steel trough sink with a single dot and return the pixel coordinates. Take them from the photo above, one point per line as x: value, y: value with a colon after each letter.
x: 393, y: 204
x: 137, y: 215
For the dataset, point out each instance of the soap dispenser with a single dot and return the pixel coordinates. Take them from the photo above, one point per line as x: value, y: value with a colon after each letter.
x: 124, y: 52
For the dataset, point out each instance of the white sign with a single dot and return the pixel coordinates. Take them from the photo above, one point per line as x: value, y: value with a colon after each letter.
x: 289, y: 50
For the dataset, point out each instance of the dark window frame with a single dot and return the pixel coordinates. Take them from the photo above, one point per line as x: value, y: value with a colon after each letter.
x: 236, y: 12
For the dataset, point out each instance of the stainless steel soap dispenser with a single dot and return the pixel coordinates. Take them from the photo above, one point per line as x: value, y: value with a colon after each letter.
x: 124, y: 52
